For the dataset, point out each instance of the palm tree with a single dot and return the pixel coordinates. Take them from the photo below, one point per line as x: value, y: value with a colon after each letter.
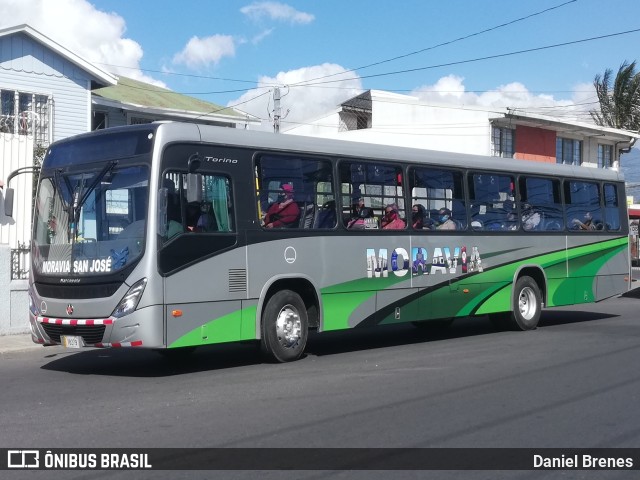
x: 620, y: 107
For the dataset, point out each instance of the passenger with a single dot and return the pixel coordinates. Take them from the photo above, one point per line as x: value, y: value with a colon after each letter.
x: 357, y: 205
x: 360, y: 221
x: 530, y: 218
x: 445, y: 221
x: 174, y: 213
x: 391, y: 219
x: 586, y: 223
x: 327, y: 215
x: 418, y: 216
x: 202, y: 219
x: 356, y: 220
x: 285, y: 212
x: 174, y: 225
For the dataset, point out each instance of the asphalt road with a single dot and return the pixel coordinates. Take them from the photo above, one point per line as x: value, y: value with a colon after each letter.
x: 572, y: 383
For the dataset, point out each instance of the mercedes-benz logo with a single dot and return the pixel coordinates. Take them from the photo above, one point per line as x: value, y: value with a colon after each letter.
x: 69, y: 309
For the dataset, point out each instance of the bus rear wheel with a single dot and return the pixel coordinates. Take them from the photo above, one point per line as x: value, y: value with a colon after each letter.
x: 285, y: 327
x: 526, y: 308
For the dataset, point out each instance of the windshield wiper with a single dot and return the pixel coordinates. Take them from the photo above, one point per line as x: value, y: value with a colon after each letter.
x: 80, y: 195
x: 57, y: 172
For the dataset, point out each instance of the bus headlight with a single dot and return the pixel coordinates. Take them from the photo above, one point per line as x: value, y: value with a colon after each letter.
x: 130, y: 301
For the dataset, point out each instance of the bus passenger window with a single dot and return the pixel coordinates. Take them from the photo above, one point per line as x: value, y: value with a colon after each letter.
x: 213, y: 214
x: 294, y: 192
x: 434, y: 190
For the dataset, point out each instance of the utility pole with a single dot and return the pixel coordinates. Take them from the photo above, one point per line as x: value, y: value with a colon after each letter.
x: 276, y: 109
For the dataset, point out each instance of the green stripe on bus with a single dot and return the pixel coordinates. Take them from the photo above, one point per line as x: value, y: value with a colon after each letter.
x: 484, y: 292
x: 233, y: 327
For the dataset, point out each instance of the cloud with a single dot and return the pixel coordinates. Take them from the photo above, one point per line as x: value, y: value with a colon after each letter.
x: 202, y: 52
x: 302, y: 102
x: 450, y: 90
x: 77, y: 25
x: 261, y: 36
x: 276, y: 11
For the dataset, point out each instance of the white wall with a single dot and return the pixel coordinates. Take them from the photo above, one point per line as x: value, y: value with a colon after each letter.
x: 16, y: 151
x: 411, y: 124
x: 14, y: 303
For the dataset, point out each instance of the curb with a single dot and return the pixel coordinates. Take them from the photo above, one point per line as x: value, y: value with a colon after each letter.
x: 17, y: 343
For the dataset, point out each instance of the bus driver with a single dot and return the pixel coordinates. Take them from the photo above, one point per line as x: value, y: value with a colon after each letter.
x: 285, y: 212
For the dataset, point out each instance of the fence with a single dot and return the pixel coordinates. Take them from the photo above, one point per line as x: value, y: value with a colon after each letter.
x: 20, y: 262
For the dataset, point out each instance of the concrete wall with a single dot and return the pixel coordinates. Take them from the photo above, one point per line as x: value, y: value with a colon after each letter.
x: 14, y: 302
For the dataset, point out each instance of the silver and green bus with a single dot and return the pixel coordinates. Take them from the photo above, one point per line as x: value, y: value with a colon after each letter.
x: 154, y: 236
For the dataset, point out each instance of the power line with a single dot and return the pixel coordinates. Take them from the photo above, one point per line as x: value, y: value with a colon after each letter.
x: 190, y: 75
x: 233, y: 106
x: 466, y: 37
x: 496, y: 27
x: 478, y: 59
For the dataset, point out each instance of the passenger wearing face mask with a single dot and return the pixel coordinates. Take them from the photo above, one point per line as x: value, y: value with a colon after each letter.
x: 391, y: 220
x: 444, y: 220
x: 285, y: 212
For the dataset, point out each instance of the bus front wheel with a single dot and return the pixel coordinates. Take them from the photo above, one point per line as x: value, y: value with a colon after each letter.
x: 527, y: 306
x: 284, y: 327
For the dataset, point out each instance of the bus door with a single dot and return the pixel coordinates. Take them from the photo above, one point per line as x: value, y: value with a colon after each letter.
x: 204, y: 271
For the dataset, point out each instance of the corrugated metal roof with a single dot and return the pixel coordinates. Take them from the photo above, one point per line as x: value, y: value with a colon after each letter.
x: 133, y: 92
x: 361, y: 103
x: 99, y: 75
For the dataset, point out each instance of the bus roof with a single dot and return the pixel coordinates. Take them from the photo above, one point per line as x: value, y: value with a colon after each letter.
x: 191, y: 132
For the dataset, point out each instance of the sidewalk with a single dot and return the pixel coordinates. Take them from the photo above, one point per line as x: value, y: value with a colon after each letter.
x: 16, y: 343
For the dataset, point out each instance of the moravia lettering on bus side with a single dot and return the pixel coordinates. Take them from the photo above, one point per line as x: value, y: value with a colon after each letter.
x: 444, y: 260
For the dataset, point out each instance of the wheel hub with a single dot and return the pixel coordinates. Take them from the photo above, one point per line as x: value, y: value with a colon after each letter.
x: 288, y: 326
x: 527, y: 303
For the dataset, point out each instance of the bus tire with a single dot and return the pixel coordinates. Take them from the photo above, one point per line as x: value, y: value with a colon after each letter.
x: 285, y: 327
x: 527, y: 304
x: 526, y: 308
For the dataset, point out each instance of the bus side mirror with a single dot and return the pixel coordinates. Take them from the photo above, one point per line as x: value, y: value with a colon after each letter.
x: 8, y: 202
x: 194, y: 187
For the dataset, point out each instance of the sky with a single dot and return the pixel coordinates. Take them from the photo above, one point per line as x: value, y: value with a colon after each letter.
x: 538, y: 56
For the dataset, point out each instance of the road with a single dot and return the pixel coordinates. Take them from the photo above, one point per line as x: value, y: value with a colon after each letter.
x: 572, y: 383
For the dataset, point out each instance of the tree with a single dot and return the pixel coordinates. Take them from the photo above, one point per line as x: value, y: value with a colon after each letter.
x: 620, y: 105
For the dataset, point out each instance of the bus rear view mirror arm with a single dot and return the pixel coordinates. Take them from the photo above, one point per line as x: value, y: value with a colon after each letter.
x: 10, y: 193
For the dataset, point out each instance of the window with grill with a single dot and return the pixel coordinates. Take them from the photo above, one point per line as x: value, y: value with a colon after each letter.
x: 25, y: 113
x: 502, y: 144
x: 605, y: 156
x: 568, y: 151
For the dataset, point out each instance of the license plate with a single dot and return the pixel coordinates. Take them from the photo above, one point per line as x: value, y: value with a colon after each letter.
x: 71, y: 342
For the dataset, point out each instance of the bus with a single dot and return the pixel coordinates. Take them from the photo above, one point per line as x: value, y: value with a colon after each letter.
x: 154, y: 236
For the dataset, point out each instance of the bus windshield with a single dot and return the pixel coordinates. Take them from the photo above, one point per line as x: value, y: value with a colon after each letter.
x: 92, y: 221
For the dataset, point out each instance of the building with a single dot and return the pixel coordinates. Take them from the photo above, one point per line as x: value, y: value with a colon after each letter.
x: 48, y: 93
x: 388, y: 118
